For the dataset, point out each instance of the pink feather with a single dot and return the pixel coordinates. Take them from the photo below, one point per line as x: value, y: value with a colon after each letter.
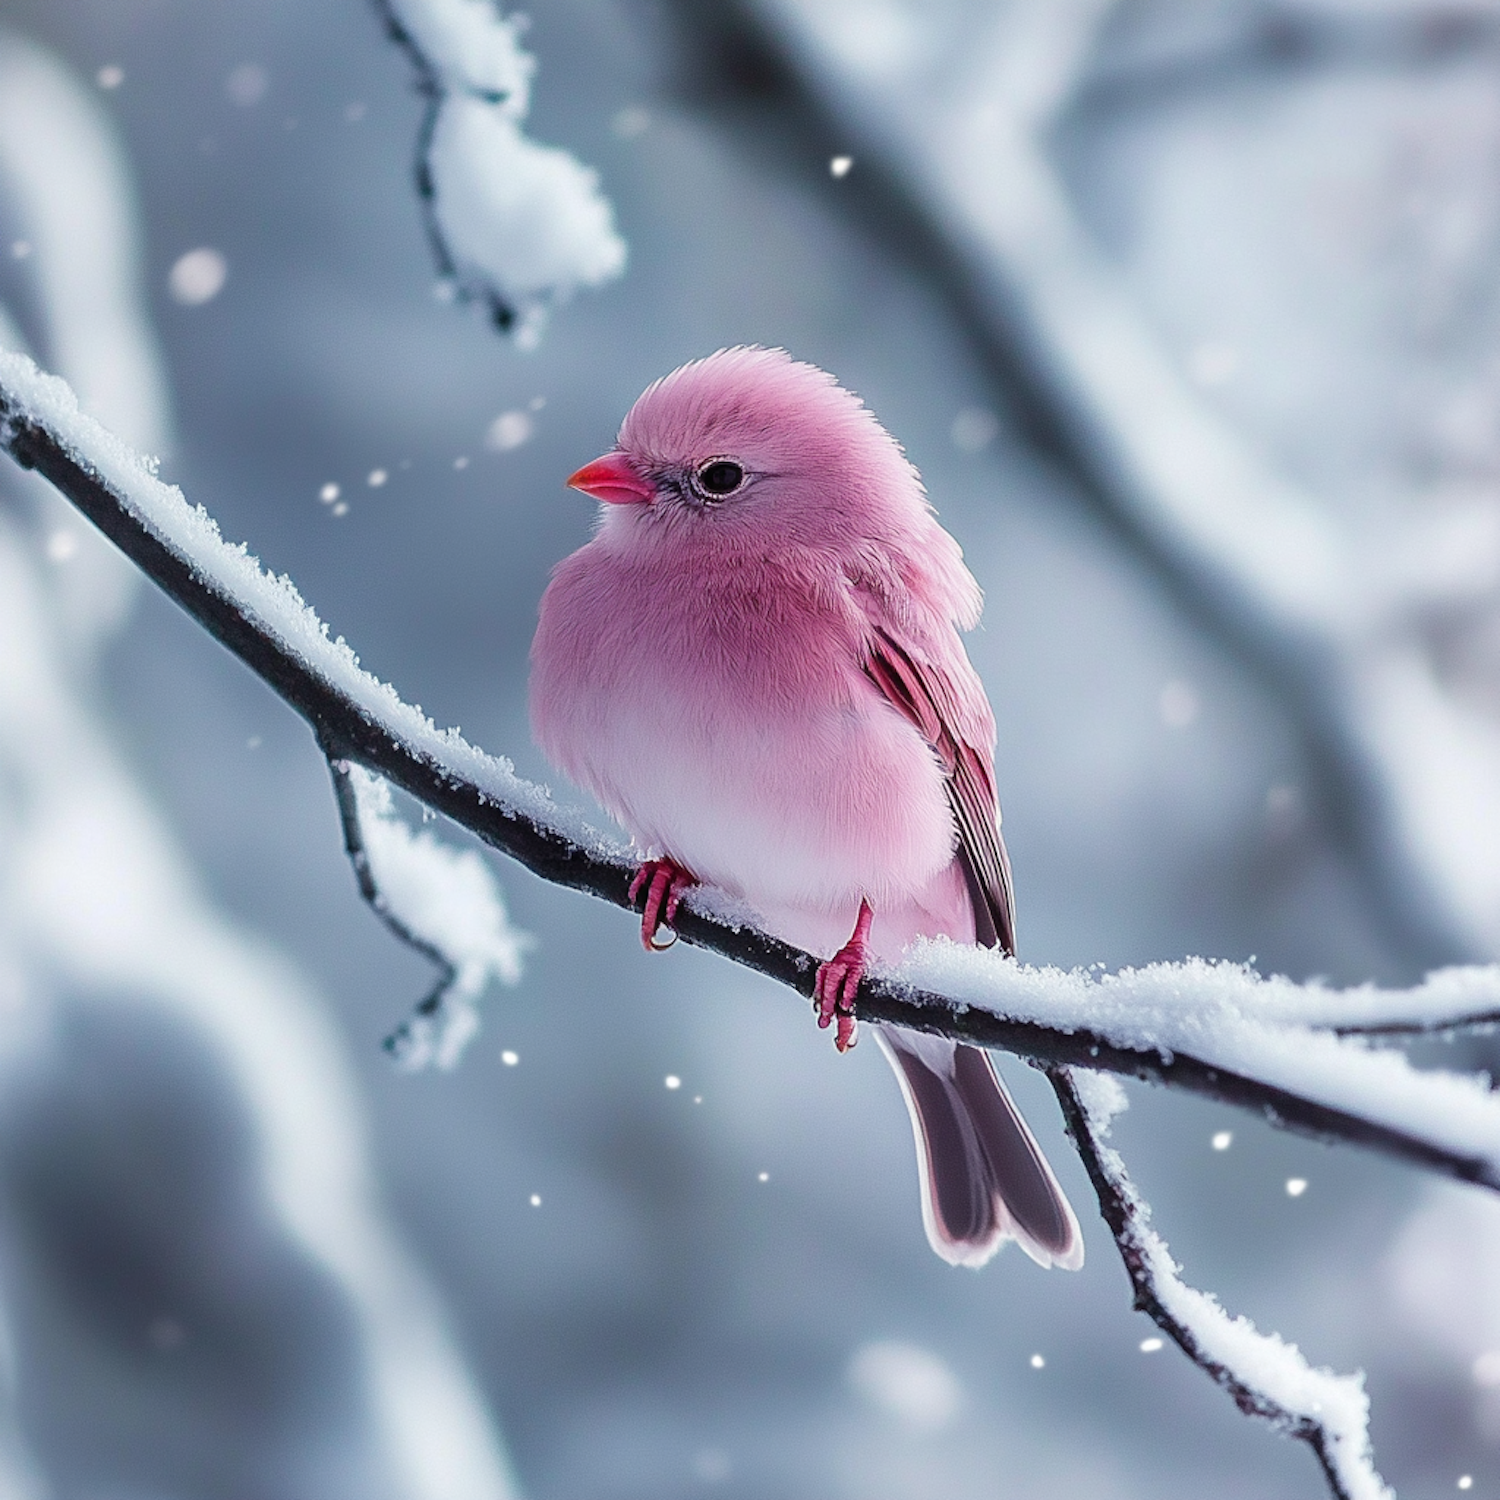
x: 768, y: 689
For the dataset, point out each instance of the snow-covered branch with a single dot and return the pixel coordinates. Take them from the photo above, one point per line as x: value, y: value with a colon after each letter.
x: 1268, y: 1378
x: 953, y: 133
x: 513, y: 225
x: 442, y: 903
x: 101, y: 901
x: 1218, y: 1030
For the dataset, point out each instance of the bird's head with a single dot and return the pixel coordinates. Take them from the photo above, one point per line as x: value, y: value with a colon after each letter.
x: 751, y: 445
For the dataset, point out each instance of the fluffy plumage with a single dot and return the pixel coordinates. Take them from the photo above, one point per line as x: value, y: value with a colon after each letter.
x: 763, y: 681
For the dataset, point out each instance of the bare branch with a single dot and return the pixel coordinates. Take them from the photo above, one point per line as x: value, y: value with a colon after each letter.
x: 1329, y: 1413
x: 1039, y: 1015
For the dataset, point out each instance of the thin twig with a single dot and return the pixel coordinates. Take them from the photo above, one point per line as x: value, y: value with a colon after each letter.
x: 348, y: 730
x: 743, y: 66
x: 1143, y: 1252
x: 1436, y: 1026
x: 429, y: 1008
x: 429, y: 84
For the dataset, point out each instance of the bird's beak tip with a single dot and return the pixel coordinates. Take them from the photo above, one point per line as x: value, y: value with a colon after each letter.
x: 613, y: 480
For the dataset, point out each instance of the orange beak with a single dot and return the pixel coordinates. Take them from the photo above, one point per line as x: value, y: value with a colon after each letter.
x: 612, y: 480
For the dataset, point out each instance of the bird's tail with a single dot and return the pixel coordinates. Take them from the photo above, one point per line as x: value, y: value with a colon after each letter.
x: 984, y: 1178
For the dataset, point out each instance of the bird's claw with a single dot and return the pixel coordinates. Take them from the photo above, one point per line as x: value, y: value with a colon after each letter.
x: 837, y: 983
x: 664, y: 882
x: 833, y: 996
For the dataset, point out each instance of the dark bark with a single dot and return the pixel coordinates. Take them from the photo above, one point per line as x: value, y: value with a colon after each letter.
x: 1121, y: 1210
x: 429, y: 84
x: 405, y: 1039
x: 346, y: 731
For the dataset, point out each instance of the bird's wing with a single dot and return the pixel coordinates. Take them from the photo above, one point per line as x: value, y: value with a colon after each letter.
x: 937, y: 700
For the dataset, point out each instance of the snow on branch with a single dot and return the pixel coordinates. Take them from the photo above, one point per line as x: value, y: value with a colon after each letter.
x: 955, y: 138
x: 1267, y: 1043
x: 80, y: 831
x: 1267, y: 1377
x: 441, y: 902
x: 1293, y: 1053
x: 513, y: 225
x: 1218, y: 1030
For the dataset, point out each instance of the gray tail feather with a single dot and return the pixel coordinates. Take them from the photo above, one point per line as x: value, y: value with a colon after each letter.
x: 984, y: 1178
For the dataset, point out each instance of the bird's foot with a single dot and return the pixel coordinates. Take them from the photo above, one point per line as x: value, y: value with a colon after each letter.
x: 664, y: 881
x: 838, y: 981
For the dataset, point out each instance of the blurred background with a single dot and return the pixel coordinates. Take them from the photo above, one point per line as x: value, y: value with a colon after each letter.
x: 1188, y: 314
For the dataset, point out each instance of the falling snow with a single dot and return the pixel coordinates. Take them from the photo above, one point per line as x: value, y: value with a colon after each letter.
x: 1178, y: 704
x: 1263, y: 1362
x: 247, y: 85
x: 509, y: 430
x: 974, y: 429
x: 197, y: 277
x: 908, y: 1383
x: 630, y: 122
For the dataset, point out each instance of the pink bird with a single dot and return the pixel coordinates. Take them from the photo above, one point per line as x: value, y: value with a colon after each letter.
x: 755, y: 667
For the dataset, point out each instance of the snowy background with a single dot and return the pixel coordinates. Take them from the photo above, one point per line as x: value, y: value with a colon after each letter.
x: 244, y: 1258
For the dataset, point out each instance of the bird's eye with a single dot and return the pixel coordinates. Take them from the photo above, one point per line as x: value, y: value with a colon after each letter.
x: 720, y: 476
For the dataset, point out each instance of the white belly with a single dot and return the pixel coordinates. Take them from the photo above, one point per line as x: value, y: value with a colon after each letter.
x: 816, y: 812
x: 783, y: 776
